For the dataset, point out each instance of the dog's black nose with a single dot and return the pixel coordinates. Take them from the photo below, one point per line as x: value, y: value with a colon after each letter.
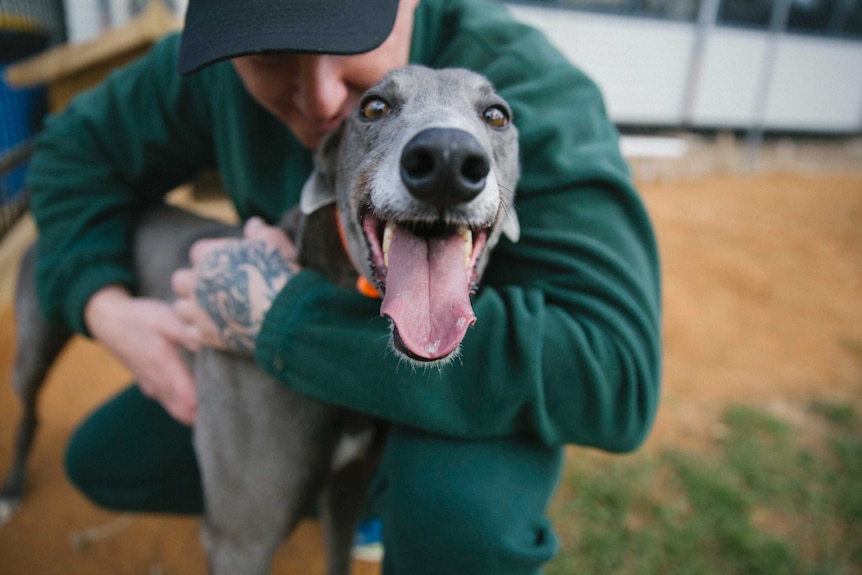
x: 444, y: 166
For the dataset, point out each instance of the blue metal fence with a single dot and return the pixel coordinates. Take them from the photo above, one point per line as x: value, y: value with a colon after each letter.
x: 26, y: 27
x: 21, y: 112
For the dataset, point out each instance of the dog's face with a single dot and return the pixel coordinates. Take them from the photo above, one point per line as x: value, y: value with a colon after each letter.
x: 424, y: 175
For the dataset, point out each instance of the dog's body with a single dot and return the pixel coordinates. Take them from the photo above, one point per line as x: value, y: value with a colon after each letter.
x: 425, y: 172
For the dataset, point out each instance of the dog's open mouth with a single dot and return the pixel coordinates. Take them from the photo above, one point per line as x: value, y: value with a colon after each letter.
x: 426, y: 272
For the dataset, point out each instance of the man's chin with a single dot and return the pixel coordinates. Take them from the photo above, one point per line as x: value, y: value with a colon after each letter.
x: 311, y: 134
x: 312, y: 138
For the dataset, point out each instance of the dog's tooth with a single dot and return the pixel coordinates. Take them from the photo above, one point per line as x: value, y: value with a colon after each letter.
x: 387, y: 241
x: 467, y: 236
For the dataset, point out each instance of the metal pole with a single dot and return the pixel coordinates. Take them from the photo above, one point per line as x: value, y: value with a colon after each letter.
x: 706, y: 18
x: 777, y: 25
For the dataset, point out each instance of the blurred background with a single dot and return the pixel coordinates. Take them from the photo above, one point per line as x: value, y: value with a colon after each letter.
x: 742, y: 121
x: 755, y: 69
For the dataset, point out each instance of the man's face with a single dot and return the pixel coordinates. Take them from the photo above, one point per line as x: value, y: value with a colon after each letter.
x: 312, y: 94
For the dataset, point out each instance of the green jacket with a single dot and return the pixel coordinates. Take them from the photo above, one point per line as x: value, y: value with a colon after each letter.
x: 567, y: 345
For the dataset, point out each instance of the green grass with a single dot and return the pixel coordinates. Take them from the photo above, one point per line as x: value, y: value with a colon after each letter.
x: 765, y: 502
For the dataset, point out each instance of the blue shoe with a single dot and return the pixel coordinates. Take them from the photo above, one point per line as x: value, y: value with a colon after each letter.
x: 368, y: 544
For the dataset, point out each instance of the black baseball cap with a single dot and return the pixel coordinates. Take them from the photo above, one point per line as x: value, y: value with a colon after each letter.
x: 216, y: 30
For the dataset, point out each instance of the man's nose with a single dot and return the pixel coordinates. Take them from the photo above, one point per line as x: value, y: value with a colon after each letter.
x: 320, y: 89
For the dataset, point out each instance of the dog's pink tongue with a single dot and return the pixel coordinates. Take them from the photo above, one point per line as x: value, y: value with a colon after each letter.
x: 427, y: 293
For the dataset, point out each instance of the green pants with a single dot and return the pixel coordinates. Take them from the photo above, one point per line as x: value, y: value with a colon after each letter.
x: 447, y: 505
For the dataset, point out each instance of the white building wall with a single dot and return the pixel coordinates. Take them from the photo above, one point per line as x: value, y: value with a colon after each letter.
x: 816, y: 84
x: 726, y: 92
x: 641, y: 65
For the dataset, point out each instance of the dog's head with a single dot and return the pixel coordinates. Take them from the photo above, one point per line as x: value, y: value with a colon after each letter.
x: 423, y: 174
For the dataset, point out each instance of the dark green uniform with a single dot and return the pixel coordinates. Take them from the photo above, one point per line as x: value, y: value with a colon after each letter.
x: 566, y: 348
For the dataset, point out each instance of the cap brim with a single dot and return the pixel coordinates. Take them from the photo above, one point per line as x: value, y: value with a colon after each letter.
x: 216, y: 30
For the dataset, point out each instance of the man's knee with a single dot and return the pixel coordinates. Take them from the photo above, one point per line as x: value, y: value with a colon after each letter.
x: 129, y: 455
x: 471, y: 507
x: 468, y: 530
x: 87, y: 470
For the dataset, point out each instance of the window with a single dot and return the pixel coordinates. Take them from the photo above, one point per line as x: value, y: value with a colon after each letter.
x: 810, y: 15
x: 754, y: 13
x: 599, y: 5
x: 849, y: 18
x: 673, y: 9
x: 837, y: 18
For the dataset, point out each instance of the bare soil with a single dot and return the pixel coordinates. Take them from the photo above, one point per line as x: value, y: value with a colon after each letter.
x: 762, y: 286
x: 762, y: 296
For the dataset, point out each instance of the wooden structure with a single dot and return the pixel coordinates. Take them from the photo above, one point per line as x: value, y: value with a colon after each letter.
x: 73, y: 68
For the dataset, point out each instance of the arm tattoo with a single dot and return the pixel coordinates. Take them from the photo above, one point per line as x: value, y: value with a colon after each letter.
x: 232, y: 281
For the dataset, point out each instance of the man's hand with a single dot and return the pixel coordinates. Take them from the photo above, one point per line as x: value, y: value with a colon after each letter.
x: 232, y: 285
x: 145, y: 335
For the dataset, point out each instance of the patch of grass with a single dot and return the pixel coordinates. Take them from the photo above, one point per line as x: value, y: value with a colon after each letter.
x: 840, y: 414
x: 764, y: 504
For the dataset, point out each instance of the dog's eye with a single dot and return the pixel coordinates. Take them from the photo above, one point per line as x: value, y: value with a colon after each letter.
x: 374, y: 108
x: 496, y: 117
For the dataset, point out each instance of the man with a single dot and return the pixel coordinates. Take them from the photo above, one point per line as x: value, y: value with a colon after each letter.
x: 567, y: 346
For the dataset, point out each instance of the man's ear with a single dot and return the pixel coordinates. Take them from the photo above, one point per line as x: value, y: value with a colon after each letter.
x: 319, y: 189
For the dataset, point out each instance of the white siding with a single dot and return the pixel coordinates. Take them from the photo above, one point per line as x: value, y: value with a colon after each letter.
x: 726, y: 92
x: 640, y: 65
x: 816, y: 84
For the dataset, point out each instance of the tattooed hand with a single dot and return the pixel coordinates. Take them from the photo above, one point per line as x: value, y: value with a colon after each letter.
x: 233, y: 284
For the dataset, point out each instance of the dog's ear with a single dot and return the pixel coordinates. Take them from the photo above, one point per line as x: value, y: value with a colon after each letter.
x: 319, y: 189
x: 511, y: 226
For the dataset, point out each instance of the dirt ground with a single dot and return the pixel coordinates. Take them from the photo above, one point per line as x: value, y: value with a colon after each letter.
x: 762, y: 285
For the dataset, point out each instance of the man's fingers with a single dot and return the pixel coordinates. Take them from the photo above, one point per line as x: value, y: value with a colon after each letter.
x: 163, y: 375
x: 183, y: 282
x: 179, y: 328
x: 202, y: 248
x: 199, y: 328
x: 257, y: 229
x: 254, y: 227
x: 179, y: 397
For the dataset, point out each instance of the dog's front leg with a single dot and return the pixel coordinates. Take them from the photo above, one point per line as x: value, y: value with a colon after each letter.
x: 264, y: 452
x: 346, y: 491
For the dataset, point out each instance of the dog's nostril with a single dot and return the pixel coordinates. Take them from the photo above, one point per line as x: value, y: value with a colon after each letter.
x: 417, y: 164
x: 475, y: 168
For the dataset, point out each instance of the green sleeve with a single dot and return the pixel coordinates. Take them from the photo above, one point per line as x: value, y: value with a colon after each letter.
x: 113, y: 150
x: 567, y: 344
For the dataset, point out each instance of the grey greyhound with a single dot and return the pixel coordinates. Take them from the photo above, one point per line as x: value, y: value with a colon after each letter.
x: 423, y: 173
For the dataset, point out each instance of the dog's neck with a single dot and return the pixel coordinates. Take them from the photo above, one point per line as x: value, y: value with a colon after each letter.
x: 364, y: 286
x: 322, y: 246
